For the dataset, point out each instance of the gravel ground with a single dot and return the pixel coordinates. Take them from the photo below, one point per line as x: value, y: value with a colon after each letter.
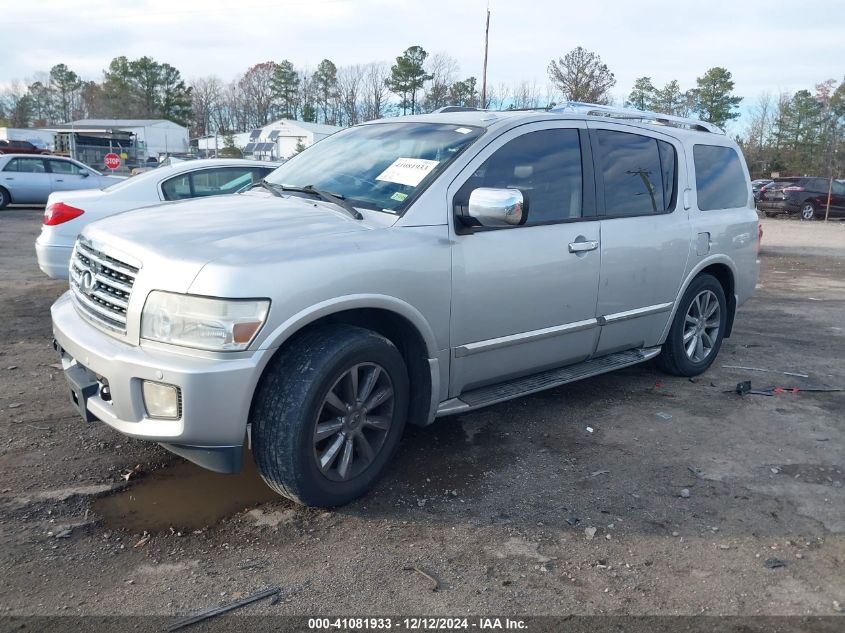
x: 673, y: 504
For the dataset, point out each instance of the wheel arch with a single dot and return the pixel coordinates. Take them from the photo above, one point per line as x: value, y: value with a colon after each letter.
x: 722, y: 268
x: 8, y: 193
x: 400, y: 323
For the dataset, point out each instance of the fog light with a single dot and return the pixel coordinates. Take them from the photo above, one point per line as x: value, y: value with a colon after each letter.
x: 162, y: 401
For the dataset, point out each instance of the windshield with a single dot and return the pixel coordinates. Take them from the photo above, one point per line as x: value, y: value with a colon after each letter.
x: 378, y: 166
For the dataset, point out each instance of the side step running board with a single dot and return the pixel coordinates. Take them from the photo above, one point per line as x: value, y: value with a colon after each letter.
x: 492, y: 394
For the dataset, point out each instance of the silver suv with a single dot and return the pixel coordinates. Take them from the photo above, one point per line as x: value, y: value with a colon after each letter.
x: 403, y: 270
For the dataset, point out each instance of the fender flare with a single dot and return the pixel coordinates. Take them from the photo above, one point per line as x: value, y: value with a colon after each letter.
x: 301, y: 319
x: 709, y: 261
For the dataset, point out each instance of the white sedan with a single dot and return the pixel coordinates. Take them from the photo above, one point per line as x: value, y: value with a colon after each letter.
x: 68, y: 212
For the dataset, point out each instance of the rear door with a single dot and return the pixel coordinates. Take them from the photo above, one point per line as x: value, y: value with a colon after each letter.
x: 645, y: 233
x: 27, y: 179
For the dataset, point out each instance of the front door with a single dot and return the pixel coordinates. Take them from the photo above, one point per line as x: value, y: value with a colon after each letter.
x: 68, y: 176
x: 523, y: 300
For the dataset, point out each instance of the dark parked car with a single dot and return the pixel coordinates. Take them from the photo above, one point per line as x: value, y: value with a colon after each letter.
x: 757, y: 185
x: 21, y: 147
x: 804, y: 195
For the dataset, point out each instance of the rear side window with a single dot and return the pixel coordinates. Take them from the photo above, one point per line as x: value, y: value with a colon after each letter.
x: 719, y: 178
x: 26, y: 165
x: 638, y: 173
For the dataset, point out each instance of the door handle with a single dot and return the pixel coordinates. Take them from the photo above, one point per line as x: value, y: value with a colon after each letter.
x: 581, y: 247
x: 59, y: 180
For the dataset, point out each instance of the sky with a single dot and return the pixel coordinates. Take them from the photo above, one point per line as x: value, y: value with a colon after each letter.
x: 769, y: 46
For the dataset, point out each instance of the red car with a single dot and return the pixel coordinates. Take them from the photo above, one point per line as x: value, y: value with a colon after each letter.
x: 21, y: 147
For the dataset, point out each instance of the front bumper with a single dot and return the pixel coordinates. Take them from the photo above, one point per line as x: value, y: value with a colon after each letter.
x: 216, y: 393
x: 53, y: 260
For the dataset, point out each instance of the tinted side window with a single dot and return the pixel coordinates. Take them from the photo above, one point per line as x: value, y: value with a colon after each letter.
x: 545, y: 166
x: 215, y: 182
x: 177, y: 188
x: 638, y: 173
x: 719, y: 178
x: 64, y: 167
x: 26, y: 165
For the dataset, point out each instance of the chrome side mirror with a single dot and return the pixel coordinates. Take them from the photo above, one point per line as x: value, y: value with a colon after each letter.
x: 497, y: 207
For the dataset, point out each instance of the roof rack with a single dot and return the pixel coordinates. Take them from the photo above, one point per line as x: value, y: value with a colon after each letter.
x: 637, y: 115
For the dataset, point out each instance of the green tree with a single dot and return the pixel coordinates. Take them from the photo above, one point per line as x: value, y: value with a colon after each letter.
x: 670, y: 99
x: 286, y: 88
x: 642, y: 95
x: 407, y: 77
x: 714, y: 99
x: 65, y: 85
x: 229, y: 150
x: 42, y: 103
x: 118, y: 89
x: 324, y: 80
x: 464, y: 93
x: 582, y: 76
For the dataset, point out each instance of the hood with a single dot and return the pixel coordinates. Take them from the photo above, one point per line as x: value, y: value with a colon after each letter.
x: 195, y: 232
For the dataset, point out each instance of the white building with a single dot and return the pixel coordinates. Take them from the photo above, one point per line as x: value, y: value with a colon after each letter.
x: 273, y: 141
x: 152, y: 136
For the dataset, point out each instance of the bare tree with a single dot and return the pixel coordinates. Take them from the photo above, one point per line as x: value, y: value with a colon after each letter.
x: 207, y: 95
x: 256, y: 87
x: 582, y: 76
x: 350, y: 81
x: 443, y: 69
x: 526, y: 95
x: 376, y: 91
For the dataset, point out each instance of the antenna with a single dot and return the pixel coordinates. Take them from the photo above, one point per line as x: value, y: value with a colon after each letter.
x: 484, y: 75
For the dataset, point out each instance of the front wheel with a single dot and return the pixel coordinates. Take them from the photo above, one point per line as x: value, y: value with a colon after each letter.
x: 808, y: 211
x: 697, y: 329
x: 5, y: 199
x: 329, y: 414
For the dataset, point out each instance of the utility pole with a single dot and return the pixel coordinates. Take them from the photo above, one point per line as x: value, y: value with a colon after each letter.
x: 484, y: 76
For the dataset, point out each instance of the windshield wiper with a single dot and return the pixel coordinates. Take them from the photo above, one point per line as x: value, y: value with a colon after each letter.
x: 325, y: 196
x: 266, y: 185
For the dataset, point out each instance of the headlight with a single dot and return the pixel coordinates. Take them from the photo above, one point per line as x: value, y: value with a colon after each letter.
x: 202, y: 322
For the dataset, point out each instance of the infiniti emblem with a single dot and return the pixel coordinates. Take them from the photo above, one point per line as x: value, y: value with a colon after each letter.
x: 86, y: 283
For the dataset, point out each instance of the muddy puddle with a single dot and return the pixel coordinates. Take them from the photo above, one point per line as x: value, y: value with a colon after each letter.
x: 184, y: 497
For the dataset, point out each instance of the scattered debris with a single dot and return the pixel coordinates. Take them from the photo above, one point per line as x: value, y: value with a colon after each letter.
x: 435, y: 584
x: 134, y: 472
x: 775, y: 471
x: 589, y: 429
x: 15, y: 405
x: 744, y: 387
x: 64, y: 533
x: 838, y: 607
x: 663, y: 416
x: 774, y: 563
x: 573, y: 520
x: 684, y: 493
x: 210, y: 613
x: 695, y: 471
x: 590, y: 532
x: 596, y: 473
x: 11, y: 367
x: 145, y: 538
x: 768, y: 371
x: 421, y: 502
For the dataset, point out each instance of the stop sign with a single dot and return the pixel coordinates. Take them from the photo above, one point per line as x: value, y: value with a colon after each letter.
x: 112, y: 161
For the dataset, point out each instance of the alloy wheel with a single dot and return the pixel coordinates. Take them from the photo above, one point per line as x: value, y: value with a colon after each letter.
x: 353, y: 422
x: 701, y: 326
x: 808, y: 211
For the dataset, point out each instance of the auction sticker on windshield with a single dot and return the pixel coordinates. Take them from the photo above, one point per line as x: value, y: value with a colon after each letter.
x: 408, y: 171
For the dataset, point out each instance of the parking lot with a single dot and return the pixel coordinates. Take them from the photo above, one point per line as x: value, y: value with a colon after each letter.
x: 629, y: 493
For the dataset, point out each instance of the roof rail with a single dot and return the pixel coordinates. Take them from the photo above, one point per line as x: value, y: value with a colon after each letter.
x: 637, y: 115
x: 456, y: 109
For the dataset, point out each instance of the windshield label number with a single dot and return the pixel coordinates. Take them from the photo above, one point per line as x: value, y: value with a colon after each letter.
x: 408, y: 171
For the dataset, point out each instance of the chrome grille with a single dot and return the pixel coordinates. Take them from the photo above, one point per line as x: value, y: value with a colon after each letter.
x: 101, y: 285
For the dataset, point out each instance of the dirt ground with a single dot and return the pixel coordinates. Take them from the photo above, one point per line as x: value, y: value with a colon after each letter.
x: 498, y: 505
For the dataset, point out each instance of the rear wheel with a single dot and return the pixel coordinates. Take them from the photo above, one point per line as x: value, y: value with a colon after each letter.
x: 5, y: 199
x: 329, y: 414
x: 808, y: 211
x: 697, y: 329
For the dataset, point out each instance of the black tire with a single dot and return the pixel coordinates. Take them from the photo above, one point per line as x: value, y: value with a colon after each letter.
x: 5, y: 198
x: 674, y: 358
x: 808, y: 211
x: 293, y: 395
